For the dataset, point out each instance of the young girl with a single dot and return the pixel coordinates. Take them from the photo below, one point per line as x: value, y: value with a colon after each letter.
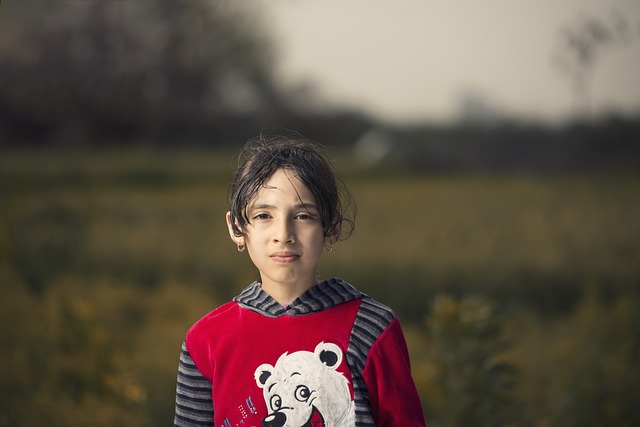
x: 291, y: 350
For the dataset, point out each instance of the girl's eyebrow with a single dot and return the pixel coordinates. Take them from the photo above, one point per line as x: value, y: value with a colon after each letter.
x: 262, y: 206
x: 303, y: 205
x: 306, y: 206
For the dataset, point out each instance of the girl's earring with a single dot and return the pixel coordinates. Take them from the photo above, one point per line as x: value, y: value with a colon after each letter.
x: 241, y: 247
x: 329, y: 249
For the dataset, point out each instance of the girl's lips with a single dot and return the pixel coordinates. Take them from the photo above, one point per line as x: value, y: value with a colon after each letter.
x: 285, y: 257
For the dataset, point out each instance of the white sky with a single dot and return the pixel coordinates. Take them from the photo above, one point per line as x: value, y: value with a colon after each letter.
x: 414, y: 60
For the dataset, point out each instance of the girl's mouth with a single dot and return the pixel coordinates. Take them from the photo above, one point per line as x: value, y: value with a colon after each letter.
x: 285, y: 257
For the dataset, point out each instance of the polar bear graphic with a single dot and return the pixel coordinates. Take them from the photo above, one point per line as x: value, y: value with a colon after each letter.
x: 304, y: 389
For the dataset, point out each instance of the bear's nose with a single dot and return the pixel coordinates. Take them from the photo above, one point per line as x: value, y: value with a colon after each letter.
x: 277, y: 419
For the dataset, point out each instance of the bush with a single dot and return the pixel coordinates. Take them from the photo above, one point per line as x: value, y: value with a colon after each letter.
x: 472, y: 380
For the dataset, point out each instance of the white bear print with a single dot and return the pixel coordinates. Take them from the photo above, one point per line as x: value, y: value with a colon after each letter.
x: 304, y: 389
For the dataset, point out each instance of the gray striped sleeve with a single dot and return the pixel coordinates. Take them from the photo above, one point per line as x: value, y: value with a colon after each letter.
x: 372, y: 319
x: 194, y: 405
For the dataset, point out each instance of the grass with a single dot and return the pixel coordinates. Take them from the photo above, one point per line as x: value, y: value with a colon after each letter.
x: 118, y: 252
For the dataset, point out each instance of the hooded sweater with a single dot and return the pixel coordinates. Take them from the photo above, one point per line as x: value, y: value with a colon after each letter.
x: 333, y: 357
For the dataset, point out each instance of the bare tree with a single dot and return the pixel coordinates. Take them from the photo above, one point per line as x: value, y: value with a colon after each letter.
x: 581, y: 47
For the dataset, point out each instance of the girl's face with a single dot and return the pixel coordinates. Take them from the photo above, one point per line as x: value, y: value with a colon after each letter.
x: 285, y: 236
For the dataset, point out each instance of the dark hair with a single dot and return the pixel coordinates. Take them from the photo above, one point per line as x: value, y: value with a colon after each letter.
x: 262, y: 156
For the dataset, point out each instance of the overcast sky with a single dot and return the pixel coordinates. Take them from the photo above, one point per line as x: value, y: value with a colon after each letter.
x: 416, y: 60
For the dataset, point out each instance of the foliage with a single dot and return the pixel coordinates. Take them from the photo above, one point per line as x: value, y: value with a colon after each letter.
x: 472, y: 384
x: 582, y: 369
x: 60, y: 358
x: 109, y: 69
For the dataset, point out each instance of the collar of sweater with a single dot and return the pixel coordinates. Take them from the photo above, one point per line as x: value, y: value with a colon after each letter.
x: 320, y: 297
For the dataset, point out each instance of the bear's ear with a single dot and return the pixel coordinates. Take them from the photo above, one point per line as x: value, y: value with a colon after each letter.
x: 329, y: 354
x: 262, y: 374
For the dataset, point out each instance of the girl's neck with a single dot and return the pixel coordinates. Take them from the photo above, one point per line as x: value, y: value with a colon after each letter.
x: 286, y: 294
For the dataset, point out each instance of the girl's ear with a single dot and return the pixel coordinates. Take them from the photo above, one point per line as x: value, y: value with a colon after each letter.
x: 334, y: 234
x: 238, y: 240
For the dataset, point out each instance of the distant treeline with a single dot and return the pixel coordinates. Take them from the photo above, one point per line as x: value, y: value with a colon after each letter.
x: 611, y: 145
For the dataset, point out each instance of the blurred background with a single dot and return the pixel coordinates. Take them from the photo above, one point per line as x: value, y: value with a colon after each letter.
x: 492, y: 148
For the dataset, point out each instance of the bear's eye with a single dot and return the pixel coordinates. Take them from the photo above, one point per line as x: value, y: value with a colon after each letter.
x: 302, y: 393
x: 275, y: 402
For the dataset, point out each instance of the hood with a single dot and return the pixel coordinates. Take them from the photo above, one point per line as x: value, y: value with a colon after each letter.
x: 320, y: 297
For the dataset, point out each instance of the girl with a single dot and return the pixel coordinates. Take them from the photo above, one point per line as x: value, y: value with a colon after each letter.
x: 291, y: 350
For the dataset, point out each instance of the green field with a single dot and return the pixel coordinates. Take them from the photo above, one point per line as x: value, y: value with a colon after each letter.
x: 518, y: 293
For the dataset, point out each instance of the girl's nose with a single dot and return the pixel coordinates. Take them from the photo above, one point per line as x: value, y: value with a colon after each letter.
x: 284, y: 232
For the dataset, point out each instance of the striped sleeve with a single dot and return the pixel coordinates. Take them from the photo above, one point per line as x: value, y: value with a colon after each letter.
x: 371, y: 321
x: 194, y: 405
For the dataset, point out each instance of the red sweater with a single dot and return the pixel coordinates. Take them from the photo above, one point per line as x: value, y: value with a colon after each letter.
x: 334, y: 357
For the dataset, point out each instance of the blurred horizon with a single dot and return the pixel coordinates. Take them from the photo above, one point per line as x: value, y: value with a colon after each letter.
x: 174, y: 72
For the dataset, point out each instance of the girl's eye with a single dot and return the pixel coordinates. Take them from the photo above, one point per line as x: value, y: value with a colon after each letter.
x: 261, y: 216
x: 304, y: 216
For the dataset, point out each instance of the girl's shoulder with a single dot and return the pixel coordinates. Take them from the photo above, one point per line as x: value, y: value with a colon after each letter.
x: 217, y: 315
x: 374, y: 314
